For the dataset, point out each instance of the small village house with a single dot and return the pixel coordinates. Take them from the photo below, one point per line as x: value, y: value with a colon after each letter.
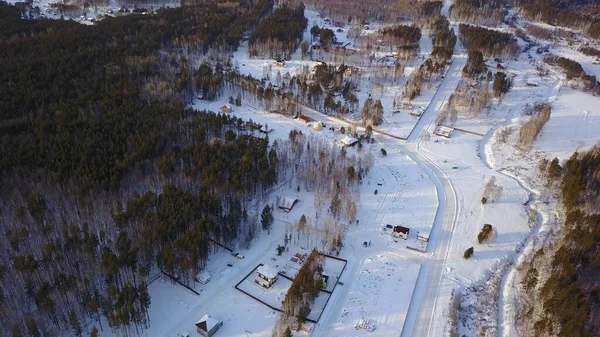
x: 286, y: 203
x: 207, y: 326
x: 401, y: 232
x: 226, y: 109
x: 266, y: 276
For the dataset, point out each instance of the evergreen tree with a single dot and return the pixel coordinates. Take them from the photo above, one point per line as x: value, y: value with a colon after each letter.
x: 75, y: 324
x: 554, y: 170
x: 266, y: 218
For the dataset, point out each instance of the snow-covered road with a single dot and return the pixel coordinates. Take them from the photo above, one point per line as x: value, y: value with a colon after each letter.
x: 424, y: 324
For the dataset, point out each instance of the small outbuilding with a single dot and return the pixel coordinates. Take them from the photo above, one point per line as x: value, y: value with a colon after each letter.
x: 416, y: 113
x: 286, y: 203
x: 423, y: 236
x: 203, y: 277
x: 349, y: 141
x: 401, y: 232
x: 266, y: 276
x: 265, y: 129
x: 207, y: 326
x: 304, y: 118
x: 443, y: 131
x: 317, y: 126
x: 406, y: 106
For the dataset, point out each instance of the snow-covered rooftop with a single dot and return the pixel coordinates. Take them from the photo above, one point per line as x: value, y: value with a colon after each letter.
x: 210, y: 321
x: 203, y: 277
x: 349, y: 140
x: 286, y: 202
x: 267, y: 271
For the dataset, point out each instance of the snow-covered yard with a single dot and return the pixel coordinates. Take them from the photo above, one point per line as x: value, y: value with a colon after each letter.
x: 381, y: 294
x: 272, y: 296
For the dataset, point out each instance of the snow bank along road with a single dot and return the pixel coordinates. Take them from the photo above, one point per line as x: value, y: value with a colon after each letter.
x: 419, y: 321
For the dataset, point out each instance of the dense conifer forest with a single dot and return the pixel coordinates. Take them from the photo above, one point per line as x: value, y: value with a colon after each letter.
x: 571, y: 294
x: 389, y: 11
x: 489, y: 42
x: 580, y: 14
x: 105, y: 176
x: 481, y: 12
x: 280, y: 34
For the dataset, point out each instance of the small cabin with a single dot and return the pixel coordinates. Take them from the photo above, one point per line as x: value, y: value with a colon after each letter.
x: 203, y: 277
x: 226, y: 109
x: 443, y: 131
x: 304, y: 118
x: 406, y: 106
x: 324, y: 280
x: 286, y: 203
x: 349, y: 141
x: 416, y: 113
x: 265, y: 129
x: 207, y: 326
x: 401, y: 232
x: 280, y: 63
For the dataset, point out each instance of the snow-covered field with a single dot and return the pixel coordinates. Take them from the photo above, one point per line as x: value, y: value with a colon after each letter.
x: 574, y: 125
x: 380, y: 294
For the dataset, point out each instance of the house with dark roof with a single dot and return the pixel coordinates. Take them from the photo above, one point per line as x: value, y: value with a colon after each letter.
x: 401, y: 232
